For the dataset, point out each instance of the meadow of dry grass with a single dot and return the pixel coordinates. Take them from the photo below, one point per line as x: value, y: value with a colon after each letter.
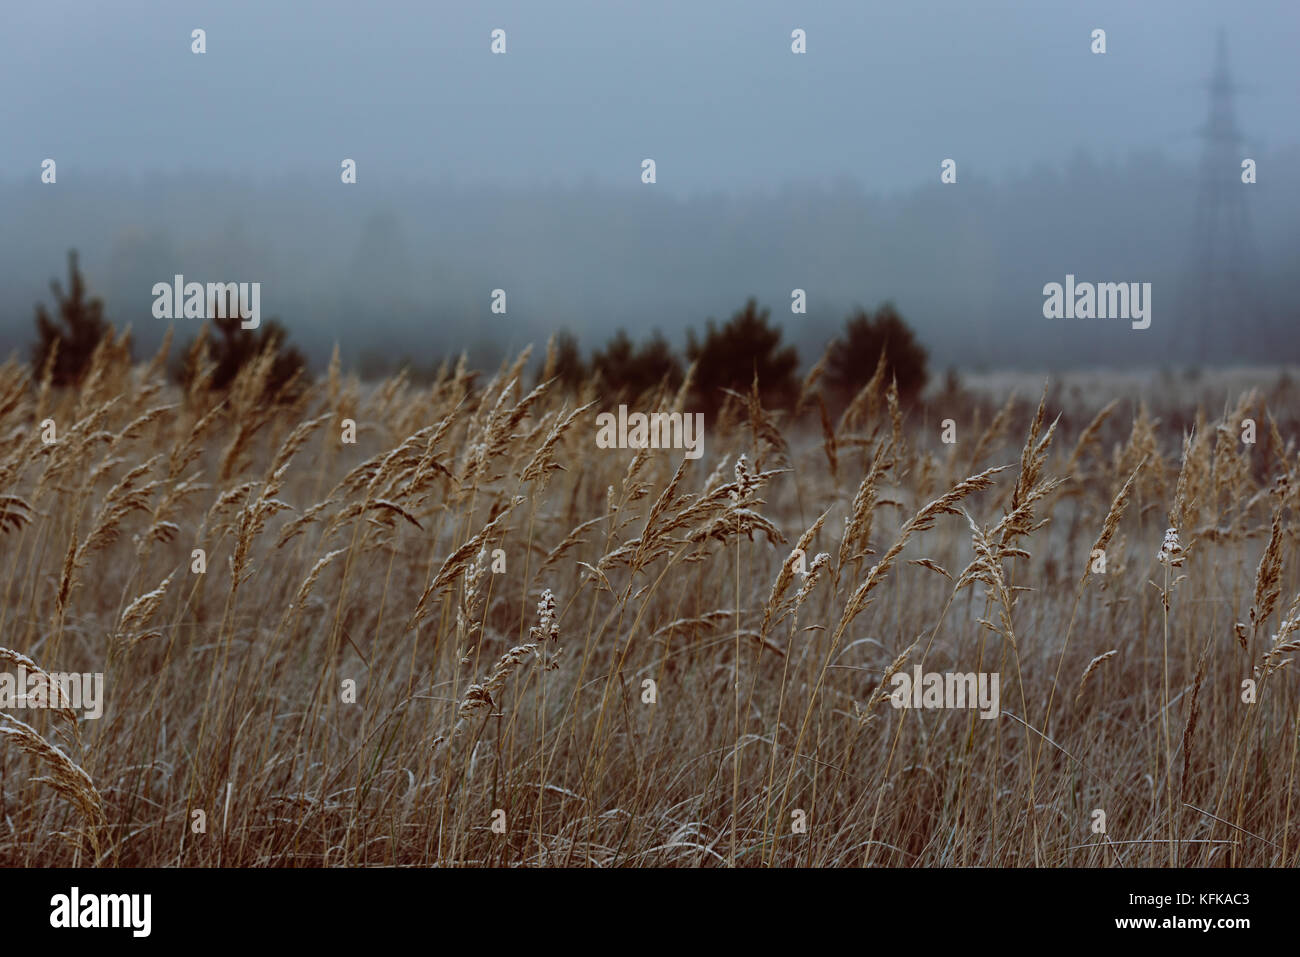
x: 506, y: 598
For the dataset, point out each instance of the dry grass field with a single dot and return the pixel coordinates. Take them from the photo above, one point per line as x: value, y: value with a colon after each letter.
x: 571, y: 656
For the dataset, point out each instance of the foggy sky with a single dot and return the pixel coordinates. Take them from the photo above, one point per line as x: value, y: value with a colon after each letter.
x: 472, y: 167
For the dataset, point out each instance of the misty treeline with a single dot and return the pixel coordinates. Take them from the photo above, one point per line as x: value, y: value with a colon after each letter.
x: 406, y: 271
x: 745, y: 354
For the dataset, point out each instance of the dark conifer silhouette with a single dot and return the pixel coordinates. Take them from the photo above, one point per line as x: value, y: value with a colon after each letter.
x: 230, y: 348
x: 564, y: 362
x: 854, y: 354
x: 634, y: 370
x: 83, y: 327
x: 730, y: 355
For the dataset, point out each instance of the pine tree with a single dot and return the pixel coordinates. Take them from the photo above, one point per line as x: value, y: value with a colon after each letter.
x: 855, y: 354
x: 731, y: 355
x: 83, y: 327
x: 634, y: 370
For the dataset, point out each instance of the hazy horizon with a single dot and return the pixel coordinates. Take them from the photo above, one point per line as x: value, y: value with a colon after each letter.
x: 774, y: 171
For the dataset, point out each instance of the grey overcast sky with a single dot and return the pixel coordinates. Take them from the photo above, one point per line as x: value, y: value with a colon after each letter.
x: 775, y: 171
x: 708, y: 88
